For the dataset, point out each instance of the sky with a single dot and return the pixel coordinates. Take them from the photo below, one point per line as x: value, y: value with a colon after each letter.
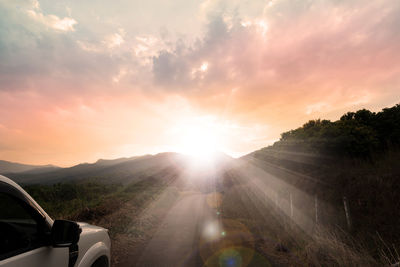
x: 83, y: 80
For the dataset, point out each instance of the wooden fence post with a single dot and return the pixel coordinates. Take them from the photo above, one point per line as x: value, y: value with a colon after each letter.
x: 291, y: 206
x: 347, y: 212
x: 316, y: 208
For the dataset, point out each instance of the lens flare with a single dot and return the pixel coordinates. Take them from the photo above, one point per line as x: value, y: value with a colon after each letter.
x: 229, y: 235
x: 212, y: 231
x: 230, y: 258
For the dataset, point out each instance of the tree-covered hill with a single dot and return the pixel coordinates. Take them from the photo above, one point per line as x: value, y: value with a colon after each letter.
x: 356, y: 134
x: 356, y: 157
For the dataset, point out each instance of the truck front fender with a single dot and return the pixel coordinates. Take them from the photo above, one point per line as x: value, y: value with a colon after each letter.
x: 93, y: 253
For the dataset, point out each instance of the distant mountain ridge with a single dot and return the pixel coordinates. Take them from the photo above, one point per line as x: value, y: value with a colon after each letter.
x: 14, y: 167
x: 121, y: 170
x: 106, y: 162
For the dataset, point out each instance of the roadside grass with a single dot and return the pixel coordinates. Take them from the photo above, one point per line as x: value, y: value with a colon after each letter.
x: 337, y: 248
x: 68, y: 200
x: 90, y: 201
x: 286, y: 244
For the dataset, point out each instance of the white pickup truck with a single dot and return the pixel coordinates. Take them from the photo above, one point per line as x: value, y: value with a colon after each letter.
x: 29, y: 237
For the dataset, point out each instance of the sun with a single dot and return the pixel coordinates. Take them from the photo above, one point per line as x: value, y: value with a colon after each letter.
x: 200, y: 143
x: 199, y: 140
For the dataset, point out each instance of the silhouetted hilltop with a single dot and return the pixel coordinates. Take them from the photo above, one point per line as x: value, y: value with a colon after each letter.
x: 8, y: 167
x: 355, y: 134
x: 123, y: 170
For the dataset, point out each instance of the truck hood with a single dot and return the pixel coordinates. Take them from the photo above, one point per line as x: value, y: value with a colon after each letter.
x: 90, y: 229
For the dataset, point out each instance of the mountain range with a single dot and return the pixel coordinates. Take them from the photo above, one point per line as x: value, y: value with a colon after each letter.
x: 14, y: 167
x: 121, y: 170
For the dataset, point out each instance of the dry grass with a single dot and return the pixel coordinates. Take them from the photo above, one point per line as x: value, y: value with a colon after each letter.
x: 388, y: 254
x: 336, y: 248
x: 325, y: 246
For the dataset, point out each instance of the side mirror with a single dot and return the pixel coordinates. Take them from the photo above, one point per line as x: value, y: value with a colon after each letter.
x: 65, y: 233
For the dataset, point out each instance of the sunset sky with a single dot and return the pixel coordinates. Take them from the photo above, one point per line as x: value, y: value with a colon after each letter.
x: 83, y: 80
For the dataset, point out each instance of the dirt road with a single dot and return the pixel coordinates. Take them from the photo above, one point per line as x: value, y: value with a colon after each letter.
x: 191, y: 232
x: 176, y: 241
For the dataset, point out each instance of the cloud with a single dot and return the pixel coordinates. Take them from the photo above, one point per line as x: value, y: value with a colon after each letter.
x: 52, y: 21
x: 33, y: 10
x: 115, y: 39
x: 35, y: 57
x: 169, y: 68
x: 306, y: 48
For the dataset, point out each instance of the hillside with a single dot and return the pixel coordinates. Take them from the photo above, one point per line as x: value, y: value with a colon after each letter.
x: 123, y: 170
x: 354, y: 158
x: 13, y: 167
x: 360, y: 134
